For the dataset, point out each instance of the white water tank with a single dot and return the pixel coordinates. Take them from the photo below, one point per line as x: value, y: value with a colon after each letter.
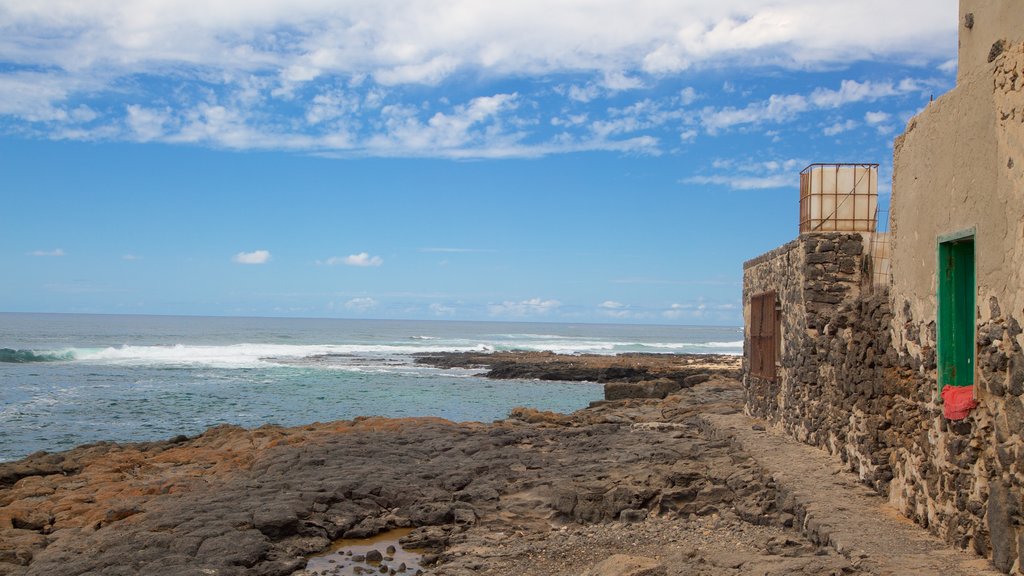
x: 839, y: 198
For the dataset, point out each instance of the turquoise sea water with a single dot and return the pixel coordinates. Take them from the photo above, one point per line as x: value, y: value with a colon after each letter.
x: 69, y: 379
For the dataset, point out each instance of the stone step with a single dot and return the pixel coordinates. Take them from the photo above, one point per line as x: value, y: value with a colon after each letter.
x: 831, y: 507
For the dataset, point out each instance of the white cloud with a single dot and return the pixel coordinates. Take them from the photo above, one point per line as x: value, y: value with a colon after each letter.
x: 362, y: 260
x: 429, y: 72
x: 614, y: 309
x: 852, y: 91
x: 688, y: 96
x: 750, y: 174
x: 949, y: 66
x: 131, y: 257
x: 331, y: 106
x: 328, y: 77
x: 55, y: 253
x: 584, y: 93
x: 477, y: 124
x: 785, y: 107
x: 876, y: 118
x: 254, y: 257
x: 421, y: 41
x: 441, y: 309
x: 778, y: 108
x: 618, y: 81
x: 676, y: 311
x: 361, y: 304
x: 840, y: 127
x: 744, y: 182
x: 700, y: 309
x: 147, y: 124
x: 531, y: 307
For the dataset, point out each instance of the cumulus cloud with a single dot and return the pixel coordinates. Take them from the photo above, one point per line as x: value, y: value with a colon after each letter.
x: 337, y: 77
x: 421, y: 41
x: 740, y: 182
x: 785, y: 107
x: 531, y: 307
x: 473, y: 125
x: 750, y: 174
x: 840, y: 127
x: 677, y: 311
x: 362, y: 259
x: 361, y: 304
x: 56, y: 252
x: 254, y: 257
x: 614, y: 309
x: 701, y: 310
x: 876, y: 118
x: 441, y: 309
x: 147, y: 124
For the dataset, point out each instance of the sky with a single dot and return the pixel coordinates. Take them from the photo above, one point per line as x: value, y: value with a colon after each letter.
x: 555, y: 160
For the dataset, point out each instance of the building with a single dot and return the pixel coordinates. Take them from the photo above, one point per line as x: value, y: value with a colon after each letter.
x: 916, y: 379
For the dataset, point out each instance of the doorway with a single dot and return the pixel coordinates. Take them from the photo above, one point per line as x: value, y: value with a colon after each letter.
x: 956, y: 300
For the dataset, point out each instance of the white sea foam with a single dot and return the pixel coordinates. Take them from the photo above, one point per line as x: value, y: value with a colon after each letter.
x: 736, y: 344
x: 249, y: 355
x: 362, y: 357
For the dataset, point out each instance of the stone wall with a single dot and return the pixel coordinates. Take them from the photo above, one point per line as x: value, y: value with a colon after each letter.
x: 833, y: 354
x: 963, y: 480
x: 859, y: 380
x: 811, y: 276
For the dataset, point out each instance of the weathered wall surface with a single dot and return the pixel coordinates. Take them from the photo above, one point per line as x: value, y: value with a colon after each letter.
x: 983, y: 23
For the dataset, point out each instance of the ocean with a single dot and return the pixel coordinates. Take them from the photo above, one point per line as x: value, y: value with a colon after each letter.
x: 71, y: 379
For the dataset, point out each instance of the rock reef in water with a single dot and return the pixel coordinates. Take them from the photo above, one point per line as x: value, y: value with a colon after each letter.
x: 624, y: 375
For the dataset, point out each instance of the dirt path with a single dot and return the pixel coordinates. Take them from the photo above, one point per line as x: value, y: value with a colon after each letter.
x: 835, y: 509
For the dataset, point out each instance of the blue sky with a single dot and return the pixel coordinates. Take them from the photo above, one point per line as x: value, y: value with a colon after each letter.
x: 580, y: 161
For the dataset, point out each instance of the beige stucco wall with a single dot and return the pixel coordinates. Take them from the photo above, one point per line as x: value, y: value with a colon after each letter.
x: 992, y: 20
x: 960, y: 165
x: 1008, y: 86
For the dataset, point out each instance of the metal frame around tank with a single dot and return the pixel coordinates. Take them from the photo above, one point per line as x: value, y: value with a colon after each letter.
x: 807, y: 224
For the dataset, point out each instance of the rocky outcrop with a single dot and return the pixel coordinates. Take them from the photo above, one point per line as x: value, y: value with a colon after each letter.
x: 624, y: 375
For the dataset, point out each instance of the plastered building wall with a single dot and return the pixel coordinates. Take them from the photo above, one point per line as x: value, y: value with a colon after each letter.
x: 982, y: 24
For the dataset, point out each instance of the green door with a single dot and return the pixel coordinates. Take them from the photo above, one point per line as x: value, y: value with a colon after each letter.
x: 956, y: 312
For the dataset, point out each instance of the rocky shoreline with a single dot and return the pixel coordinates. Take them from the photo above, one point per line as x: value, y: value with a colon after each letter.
x: 628, y: 486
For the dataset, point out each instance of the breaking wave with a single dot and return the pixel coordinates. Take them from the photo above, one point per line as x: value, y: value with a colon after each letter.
x: 12, y: 356
x: 248, y: 355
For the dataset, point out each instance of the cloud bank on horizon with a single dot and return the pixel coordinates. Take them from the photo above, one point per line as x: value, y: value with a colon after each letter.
x: 451, y: 78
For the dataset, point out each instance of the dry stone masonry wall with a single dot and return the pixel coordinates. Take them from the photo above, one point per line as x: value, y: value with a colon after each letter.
x: 859, y: 380
x: 964, y: 480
